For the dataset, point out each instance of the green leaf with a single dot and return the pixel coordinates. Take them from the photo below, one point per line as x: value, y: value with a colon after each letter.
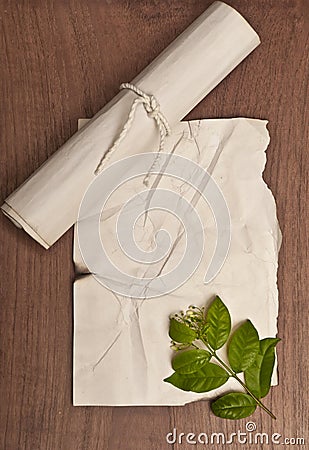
x: 181, y: 332
x: 209, y: 377
x: 258, y: 376
x: 243, y: 347
x: 219, y: 324
x: 234, y: 406
x: 190, y: 361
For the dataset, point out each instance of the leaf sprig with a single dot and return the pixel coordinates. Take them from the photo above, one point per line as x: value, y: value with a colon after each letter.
x: 246, y: 353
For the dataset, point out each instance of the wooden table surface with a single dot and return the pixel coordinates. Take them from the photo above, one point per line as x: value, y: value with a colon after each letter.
x: 61, y: 60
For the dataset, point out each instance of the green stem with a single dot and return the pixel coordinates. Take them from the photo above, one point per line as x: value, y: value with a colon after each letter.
x: 234, y: 375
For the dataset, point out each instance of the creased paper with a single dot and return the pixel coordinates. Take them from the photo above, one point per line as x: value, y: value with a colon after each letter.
x: 46, y: 205
x: 121, y: 345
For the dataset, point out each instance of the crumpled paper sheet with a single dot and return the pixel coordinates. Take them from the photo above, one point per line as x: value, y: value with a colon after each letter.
x: 121, y: 346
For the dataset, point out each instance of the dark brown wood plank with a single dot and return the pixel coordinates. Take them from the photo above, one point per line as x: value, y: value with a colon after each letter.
x: 60, y: 60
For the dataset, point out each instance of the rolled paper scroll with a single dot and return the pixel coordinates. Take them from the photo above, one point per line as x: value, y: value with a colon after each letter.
x: 46, y: 205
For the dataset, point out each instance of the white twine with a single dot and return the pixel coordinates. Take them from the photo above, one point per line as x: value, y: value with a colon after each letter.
x: 152, y: 109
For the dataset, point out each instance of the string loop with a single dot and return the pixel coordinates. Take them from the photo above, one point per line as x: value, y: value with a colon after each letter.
x: 152, y: 108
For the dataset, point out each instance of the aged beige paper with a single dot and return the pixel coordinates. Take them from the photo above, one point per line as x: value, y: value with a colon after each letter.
x: 121, y: 345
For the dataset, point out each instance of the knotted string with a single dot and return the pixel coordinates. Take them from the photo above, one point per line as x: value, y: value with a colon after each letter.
x: 152, y: 109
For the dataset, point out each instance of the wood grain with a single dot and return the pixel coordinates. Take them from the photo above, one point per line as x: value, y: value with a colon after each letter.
x: 61, y: 60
